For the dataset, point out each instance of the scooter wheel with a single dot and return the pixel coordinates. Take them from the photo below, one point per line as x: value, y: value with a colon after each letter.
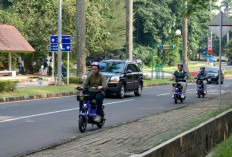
x: 175, y: 100
x: 82, y: 124
x: 101, y: 124
x: 181, y: 100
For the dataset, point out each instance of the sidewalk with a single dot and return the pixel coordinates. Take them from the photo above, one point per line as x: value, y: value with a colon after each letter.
x: 138, y: 136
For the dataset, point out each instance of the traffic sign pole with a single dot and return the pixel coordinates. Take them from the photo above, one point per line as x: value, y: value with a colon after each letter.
x: 67, y: 67
x: 220, y: 64
x: 53, y: 65
x: 59, y: 81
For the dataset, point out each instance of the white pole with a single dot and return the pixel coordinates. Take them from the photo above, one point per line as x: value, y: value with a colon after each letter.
x: 220, y: 49
x: 68, y: 68
x: 53, y: 66
x: 59, y: 81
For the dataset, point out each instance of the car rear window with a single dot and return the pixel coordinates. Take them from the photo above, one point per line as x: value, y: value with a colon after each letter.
x: 116, y: 67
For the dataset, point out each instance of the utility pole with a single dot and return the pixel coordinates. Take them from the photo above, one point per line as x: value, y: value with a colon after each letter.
x: 81, y: 56
x: 129, y: 29
x: 185, y: 39
x: 59, y: 81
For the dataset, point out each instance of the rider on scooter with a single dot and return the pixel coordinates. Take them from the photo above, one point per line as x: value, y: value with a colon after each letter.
x: 96, y: 79
x: 180, y: 76
x: 202, y: 75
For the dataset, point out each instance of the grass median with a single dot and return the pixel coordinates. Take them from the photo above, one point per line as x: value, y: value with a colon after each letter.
x: 160, y: 81
x: 38, y: 91
x: 223, y: 149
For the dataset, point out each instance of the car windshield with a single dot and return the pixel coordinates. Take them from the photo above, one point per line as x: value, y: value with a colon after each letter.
x: 212, y: 70
x: 116, y: 67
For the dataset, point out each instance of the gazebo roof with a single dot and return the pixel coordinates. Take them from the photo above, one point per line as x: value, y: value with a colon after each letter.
x: 12, y: 41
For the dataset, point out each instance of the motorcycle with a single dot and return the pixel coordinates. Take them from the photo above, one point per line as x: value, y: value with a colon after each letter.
x: 178, y: 92
x: 89, y: 109
x: 201, y: 88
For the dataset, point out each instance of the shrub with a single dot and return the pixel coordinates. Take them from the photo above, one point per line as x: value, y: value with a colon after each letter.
x: 73, y: 80
x: 7, y: 86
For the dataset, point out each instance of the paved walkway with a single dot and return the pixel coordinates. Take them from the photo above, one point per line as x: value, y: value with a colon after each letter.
x: 137, y: 136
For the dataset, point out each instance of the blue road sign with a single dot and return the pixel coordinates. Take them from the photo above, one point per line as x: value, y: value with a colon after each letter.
x: 66, y: 43
x: 161, y: 47
x: 204, y: 52
x: 171, y: 47
x: 65, y: 48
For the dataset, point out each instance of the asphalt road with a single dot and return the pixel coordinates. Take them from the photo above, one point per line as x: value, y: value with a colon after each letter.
x: 29, y: 125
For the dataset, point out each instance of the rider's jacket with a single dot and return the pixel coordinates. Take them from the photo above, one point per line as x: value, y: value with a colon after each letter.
x: 95, y: 81
x: 180, y: 75
x: 201, y: 75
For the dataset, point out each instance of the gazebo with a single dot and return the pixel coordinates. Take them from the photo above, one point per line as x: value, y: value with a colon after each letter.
x: 11, y: 41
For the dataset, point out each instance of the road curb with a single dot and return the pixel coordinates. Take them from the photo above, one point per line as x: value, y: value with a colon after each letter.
x: 42, y: 96
x: 196, y: 141
x: 161, y: 84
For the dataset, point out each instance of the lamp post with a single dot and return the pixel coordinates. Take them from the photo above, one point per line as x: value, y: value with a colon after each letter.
x: 178, y: 34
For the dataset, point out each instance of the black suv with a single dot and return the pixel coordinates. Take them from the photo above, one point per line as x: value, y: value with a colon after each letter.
x: 213, y: 75
x: 122, y: 76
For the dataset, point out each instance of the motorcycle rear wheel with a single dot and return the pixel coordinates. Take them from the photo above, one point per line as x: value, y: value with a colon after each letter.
x: 82, y: 124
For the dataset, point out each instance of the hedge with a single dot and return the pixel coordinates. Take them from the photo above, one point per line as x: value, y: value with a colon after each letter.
x: 7, y: 86
x: 73, y: 80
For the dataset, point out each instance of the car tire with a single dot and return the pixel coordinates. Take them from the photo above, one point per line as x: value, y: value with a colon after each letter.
x: 121, y: 92
x: 138, y: 92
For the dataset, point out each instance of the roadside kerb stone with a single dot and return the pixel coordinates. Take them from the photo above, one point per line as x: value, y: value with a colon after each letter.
x: 139, y: 136
x: 42, y: 96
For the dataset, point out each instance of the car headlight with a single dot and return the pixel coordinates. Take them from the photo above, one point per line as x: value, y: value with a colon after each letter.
x: 84, y: 77
x: 115, y: 79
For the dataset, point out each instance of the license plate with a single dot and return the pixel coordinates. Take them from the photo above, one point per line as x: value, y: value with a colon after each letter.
x: 209, y: 79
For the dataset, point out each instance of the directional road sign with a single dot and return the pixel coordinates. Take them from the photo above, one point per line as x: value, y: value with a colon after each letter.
x: 204, y: 52
x: 166, y: 47
x: 66, y: 43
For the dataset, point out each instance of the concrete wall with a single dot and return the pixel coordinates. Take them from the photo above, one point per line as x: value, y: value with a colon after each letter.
x: 196, y: 142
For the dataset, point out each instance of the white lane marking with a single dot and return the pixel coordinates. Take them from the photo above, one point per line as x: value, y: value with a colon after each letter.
x: 48, y: 113
x: 163, y: 94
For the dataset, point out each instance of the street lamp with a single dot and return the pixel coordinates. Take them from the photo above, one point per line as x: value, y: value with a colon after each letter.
x: 178, y: 34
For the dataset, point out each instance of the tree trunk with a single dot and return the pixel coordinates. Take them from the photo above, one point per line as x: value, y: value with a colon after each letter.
x: 185, y: 40
x: 81, y: 56
x: 129, y: 28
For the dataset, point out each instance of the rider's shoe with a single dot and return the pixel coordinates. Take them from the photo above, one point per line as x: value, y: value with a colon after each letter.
x: 196, y: 92
x: 97, y: 119
x: 182, y: 96
x: 205, y: 92
x: 173, y: 96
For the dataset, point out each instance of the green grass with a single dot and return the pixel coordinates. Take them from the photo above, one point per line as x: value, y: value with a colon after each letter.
x: 192, y: 65
x: 38, y: 91
x: 228, y: 72
x: 155, y: 81
x: 223, y: 149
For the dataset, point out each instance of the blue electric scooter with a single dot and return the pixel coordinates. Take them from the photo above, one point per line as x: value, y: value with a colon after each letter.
x: 89, y: 109
x: 178, y: 92
x: 201, y: 88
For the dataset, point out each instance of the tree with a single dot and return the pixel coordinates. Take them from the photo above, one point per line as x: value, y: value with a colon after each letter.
x: 81, y: 55
x: 185, y: 39
x: 227, y: 5
x: 129, y: 28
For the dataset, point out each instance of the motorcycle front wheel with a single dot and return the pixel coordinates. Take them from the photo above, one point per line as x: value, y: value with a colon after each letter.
x: 82, y: 124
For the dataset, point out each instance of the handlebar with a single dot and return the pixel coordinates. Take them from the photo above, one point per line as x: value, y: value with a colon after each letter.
x: 86, y: 88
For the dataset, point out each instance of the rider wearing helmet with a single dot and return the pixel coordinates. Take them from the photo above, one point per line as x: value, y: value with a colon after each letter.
x: 180, y: 76
x: 96, y: 79
x: 202, y: 75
